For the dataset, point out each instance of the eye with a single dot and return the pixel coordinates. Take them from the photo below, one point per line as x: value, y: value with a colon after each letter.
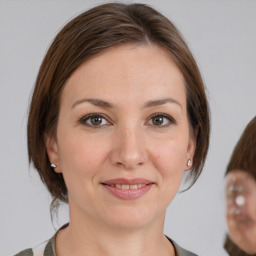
x: 94, y: 120
x: 161, y: 120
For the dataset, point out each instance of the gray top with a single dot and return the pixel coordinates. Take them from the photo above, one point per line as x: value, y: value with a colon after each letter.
x: 48, y: 248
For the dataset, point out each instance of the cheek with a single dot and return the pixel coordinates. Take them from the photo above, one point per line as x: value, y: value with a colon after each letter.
x: 81, y: 155
x: 252, y: 207
x: 169, y: 161
x: 170, y: 157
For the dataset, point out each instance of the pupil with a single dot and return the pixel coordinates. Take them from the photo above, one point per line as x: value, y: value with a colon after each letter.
x: 158, y: 120
x: 96, y: 120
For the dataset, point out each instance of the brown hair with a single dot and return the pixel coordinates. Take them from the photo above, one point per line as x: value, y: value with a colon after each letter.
x: 87, y: 35
x: 244, y: 154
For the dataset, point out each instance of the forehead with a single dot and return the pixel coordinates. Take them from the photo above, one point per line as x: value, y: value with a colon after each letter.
x: 126, y: 70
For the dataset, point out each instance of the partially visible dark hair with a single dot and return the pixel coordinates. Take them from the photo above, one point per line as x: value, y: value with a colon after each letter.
x: 92, y: 33
x: 244, y: 154
x: 232, y: 249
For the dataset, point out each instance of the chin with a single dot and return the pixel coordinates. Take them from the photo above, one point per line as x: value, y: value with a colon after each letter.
x: 248, y: 248
x: 247, y: 244
x: 130, y: 218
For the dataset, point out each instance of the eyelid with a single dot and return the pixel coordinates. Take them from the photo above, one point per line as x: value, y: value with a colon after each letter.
x: 170, y: 118
x: 83, y: 120
x: 86, y: 117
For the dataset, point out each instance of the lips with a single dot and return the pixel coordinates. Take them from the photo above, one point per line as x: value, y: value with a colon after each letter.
x: 243, y: 222
x: 127, y: 181
x: 127, y: 186
x: 128, y: 189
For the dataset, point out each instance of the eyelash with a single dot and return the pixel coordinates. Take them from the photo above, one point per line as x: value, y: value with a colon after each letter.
x: 84, y: 120
x: 168, y: 117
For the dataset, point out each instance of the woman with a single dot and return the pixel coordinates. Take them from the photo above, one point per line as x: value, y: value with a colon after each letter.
x: 118, y: 113
x: 241, y: 195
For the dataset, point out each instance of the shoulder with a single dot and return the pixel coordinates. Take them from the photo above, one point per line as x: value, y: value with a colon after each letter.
x: 27, y: 252
x: 44, y: 249
x: 182, y: 252
x: 179, y: 250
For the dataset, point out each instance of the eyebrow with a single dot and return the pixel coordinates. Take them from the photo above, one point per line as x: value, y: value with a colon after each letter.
x: 154, y: 103
x: 96, y: 102
x: 105, y: 104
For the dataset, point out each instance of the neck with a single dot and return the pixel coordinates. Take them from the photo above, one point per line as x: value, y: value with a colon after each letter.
x: 89, y: 237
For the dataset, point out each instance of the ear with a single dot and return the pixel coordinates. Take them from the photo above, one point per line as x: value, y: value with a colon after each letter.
x: 191, y: 148
x: 52, y: 152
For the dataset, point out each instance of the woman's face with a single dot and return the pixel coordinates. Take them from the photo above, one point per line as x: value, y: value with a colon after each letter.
x: 241, y: 209
x: 123, y: 137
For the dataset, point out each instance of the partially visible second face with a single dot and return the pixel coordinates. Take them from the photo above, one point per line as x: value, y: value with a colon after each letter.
x: 123, y: 137
x: 241, y: 209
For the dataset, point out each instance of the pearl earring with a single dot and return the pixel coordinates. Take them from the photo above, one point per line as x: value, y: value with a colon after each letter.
x: 53, y: 166
x: 189, y: 163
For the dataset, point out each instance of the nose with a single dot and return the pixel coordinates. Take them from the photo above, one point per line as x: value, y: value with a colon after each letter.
x: 128, y: 148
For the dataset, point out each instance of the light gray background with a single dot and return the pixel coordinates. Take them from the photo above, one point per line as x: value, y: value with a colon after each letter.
x: 221, y: 34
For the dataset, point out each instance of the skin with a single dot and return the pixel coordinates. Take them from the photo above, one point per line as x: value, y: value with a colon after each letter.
x: 127, y: 144
x: 242, y: 226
